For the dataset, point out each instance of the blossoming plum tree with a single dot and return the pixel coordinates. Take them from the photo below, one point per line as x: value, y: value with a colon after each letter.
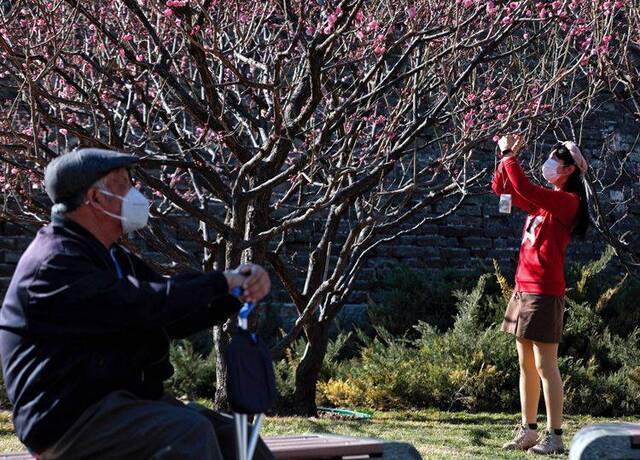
x: 255, y: 118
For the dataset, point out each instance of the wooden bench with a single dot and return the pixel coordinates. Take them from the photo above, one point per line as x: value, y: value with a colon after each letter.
x: 608, y: 440
x: 322, y: 446
x: 304, y: 447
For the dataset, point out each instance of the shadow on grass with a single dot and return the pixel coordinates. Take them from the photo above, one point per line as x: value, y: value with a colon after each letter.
x: 477, y: 437
x: 453, y: 418
x: 470, y: 419
x: 354, y: 426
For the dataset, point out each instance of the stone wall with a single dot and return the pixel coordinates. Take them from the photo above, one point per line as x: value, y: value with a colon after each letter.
x: 466, y: 241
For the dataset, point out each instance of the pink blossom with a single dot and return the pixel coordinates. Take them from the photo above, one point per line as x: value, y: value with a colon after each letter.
x: 339, y: 10
x: 469, y: 122
x: 127, y: 37
x: 496, y: 138
x: 373, y: 25
x: 121, y: 53
x: 310, y: 30
x: 167, y: 12
x: 140, y: 57
x: 359, y: 16
x: 63, y: 131
x: 411, y: 12
x: 507, y: 21
x: 381, y: 119
x: 472, y: 97
x: 556, y: 4
x: 525, y: 36
x: 513, y: 5
x: 243, y: 17
x: 379, y: 50
x: 360, y: 35
x: 328, y: 29
x: 501, y: 116
x: 468, y: 3
x: 332, y: 19
x: 491, y: 8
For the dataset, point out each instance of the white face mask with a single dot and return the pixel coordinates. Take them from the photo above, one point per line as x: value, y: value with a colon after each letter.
x: 550, y: 170
x: 134, y: 214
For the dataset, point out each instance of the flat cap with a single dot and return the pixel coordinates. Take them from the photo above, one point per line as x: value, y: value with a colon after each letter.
x: 71, y: 174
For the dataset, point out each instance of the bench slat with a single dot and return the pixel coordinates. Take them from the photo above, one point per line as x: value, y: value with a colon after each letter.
x: 322, y: 446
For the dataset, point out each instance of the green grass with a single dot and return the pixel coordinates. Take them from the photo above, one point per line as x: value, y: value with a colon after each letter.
x: 436, y: 435
x: 8, y: 440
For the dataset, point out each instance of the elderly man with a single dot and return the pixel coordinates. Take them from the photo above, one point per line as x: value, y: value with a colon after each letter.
x: 85, y: 327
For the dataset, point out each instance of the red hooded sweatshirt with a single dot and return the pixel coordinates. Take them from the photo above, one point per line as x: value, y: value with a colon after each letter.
x: 547, y: 231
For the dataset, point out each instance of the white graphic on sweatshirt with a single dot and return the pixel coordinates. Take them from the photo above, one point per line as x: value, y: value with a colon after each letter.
x: 530, y: 229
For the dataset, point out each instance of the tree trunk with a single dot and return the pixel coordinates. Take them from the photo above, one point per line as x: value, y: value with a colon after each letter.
x: 222, y: 333
x: 255, y: 217
x: 309, y: 368
x: 220, y: 342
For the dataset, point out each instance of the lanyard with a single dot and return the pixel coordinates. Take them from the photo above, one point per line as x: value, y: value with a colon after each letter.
x: 115, y: 262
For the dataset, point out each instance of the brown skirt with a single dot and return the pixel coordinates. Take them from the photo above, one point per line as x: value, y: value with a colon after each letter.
x: 536, y: 317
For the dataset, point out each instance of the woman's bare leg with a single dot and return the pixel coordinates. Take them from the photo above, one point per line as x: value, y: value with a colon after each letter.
x: 529, y: 381
x: 546, y: 359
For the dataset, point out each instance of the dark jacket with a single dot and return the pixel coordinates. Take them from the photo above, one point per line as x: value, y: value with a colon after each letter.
x: 75, y: 326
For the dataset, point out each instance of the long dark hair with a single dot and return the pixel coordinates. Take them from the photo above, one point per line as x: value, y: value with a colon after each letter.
x: 575, y: 184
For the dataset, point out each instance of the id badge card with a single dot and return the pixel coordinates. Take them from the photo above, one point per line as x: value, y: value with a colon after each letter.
x: 505, y: 203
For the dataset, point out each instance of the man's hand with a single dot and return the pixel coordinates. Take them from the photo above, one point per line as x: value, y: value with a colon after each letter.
x: 252, y: 278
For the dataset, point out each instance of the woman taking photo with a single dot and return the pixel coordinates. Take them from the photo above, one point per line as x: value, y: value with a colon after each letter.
x: 535, y: 313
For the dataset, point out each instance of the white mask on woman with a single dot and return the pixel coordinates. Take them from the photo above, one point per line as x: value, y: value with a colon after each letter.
x: 134, y: 214
x: 550, y: 170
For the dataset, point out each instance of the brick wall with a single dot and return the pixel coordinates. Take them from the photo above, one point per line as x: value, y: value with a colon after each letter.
x: 467, y: 240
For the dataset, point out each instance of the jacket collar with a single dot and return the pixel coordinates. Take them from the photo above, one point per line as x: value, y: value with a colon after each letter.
x: 69, y: 225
